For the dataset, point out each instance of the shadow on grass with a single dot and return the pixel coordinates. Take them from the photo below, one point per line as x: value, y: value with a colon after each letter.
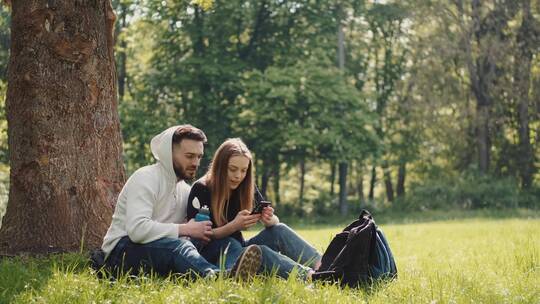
x: 22, y: 273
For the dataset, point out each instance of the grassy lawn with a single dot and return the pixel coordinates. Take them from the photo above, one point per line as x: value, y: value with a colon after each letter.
x: 479, y: 260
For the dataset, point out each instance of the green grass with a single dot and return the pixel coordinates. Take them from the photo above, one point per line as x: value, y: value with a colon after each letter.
x: 455, y: 261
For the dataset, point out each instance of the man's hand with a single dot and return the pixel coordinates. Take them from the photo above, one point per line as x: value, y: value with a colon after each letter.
x: 244, y: 219
x: 197, y: 230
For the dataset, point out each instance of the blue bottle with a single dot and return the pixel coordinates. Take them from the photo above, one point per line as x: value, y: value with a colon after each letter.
x: 203, y: 215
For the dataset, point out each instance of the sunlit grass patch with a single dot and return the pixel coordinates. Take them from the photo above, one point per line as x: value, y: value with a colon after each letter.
x: 480, y: 261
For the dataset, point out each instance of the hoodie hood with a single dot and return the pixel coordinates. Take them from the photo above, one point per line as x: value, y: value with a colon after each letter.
x: 161, y: 146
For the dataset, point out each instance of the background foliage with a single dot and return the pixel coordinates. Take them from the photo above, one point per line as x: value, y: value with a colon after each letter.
x: 404, y: 108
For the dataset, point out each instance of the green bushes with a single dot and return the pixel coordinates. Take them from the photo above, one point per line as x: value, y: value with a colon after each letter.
x: 445, y: 192
x: 468, y: 191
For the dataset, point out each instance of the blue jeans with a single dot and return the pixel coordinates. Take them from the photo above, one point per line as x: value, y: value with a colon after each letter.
x: 172, y: 255
x: 283, y: 250
x: 220, y: 252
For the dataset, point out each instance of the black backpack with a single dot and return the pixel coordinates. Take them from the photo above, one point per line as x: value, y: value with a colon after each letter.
x: 357, y: 256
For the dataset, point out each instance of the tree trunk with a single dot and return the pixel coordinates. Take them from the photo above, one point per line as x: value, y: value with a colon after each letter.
x: 482, y: 137
x: 372, y: 183
x: 341, y: 40
x: 351, y: 187
x: 4, y: 46
x: 276, y: 183
x: 63, y: 126
x: 302, y: 179
x: 522, y: 74
x: 343, y: 207
x: 256, y: 174
x: 360, y: 184
x: 264, y: 178
x: 482, y: 65
x: 400, y: 186
x: 122, y: 57
x: 388, y: 183
x: 342, y: 167
x: 332, y: 179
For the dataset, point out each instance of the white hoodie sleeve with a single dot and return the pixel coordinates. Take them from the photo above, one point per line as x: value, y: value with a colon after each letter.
x: 139, y: 208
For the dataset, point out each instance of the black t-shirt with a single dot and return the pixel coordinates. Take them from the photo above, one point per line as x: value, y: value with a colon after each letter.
x: 200, y: 191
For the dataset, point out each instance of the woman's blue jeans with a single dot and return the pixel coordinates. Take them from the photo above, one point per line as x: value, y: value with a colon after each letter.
x: 283, y: 250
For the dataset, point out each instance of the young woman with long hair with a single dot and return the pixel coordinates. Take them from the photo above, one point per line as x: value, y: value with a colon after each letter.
x: 228, y: 190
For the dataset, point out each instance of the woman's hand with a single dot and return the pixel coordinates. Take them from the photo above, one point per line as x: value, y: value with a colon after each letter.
x: 244, y: 219
x: 268, y: 218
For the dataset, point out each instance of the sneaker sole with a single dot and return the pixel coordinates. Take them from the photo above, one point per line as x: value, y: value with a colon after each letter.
x: 249, y: 263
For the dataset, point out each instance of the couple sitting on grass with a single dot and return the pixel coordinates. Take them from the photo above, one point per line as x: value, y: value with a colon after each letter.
x: 153, y: 226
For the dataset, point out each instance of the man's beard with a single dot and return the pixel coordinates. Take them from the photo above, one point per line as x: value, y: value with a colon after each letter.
x: 181, y: 173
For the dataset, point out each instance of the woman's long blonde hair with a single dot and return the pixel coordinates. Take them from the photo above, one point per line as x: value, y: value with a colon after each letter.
x: 217, y: 179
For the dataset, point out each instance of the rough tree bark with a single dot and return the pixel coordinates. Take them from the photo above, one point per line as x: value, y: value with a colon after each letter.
x: 63, y: 127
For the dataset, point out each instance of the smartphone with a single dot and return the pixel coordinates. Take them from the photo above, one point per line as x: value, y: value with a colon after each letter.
x: 259, y: 206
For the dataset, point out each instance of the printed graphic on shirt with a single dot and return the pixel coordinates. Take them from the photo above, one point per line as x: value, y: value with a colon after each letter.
x: 196, y: 204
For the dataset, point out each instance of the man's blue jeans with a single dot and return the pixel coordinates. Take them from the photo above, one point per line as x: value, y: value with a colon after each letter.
x: 173, y: 255
x: 283, y: 250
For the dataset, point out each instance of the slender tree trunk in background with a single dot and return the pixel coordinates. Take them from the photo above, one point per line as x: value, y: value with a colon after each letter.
x: 332, y: 179
x: 482, y: 137
x: 256, y: 175
x: 341, y: 40
x: 482, y: 67
x: 479, y: 71
x: 122, y: 56
x: 5, y: 44
x: 536, y: 96
x: 351, y: 188
x: 343, y: 165
x: 351, y: 180
x: 360, y: 184
x: 388, y: 182
x: 277, y: 173
x: 469, y: 157
x: 63, y: 126
x: 372, y: 183
x: 343, y: 207
x: 400, y: 185
x: 302, y: 179
x: 522, y: 76
x: 265, y: 177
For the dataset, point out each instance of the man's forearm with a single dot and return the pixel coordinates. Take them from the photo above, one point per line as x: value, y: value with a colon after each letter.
x: 183, y: 230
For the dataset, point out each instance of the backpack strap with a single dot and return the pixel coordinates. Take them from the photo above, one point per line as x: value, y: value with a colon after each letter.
x: 328, y: 276
x: 365, y: 214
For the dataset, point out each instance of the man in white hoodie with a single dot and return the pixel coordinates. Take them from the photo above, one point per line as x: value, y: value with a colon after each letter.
x: 149, y: 231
